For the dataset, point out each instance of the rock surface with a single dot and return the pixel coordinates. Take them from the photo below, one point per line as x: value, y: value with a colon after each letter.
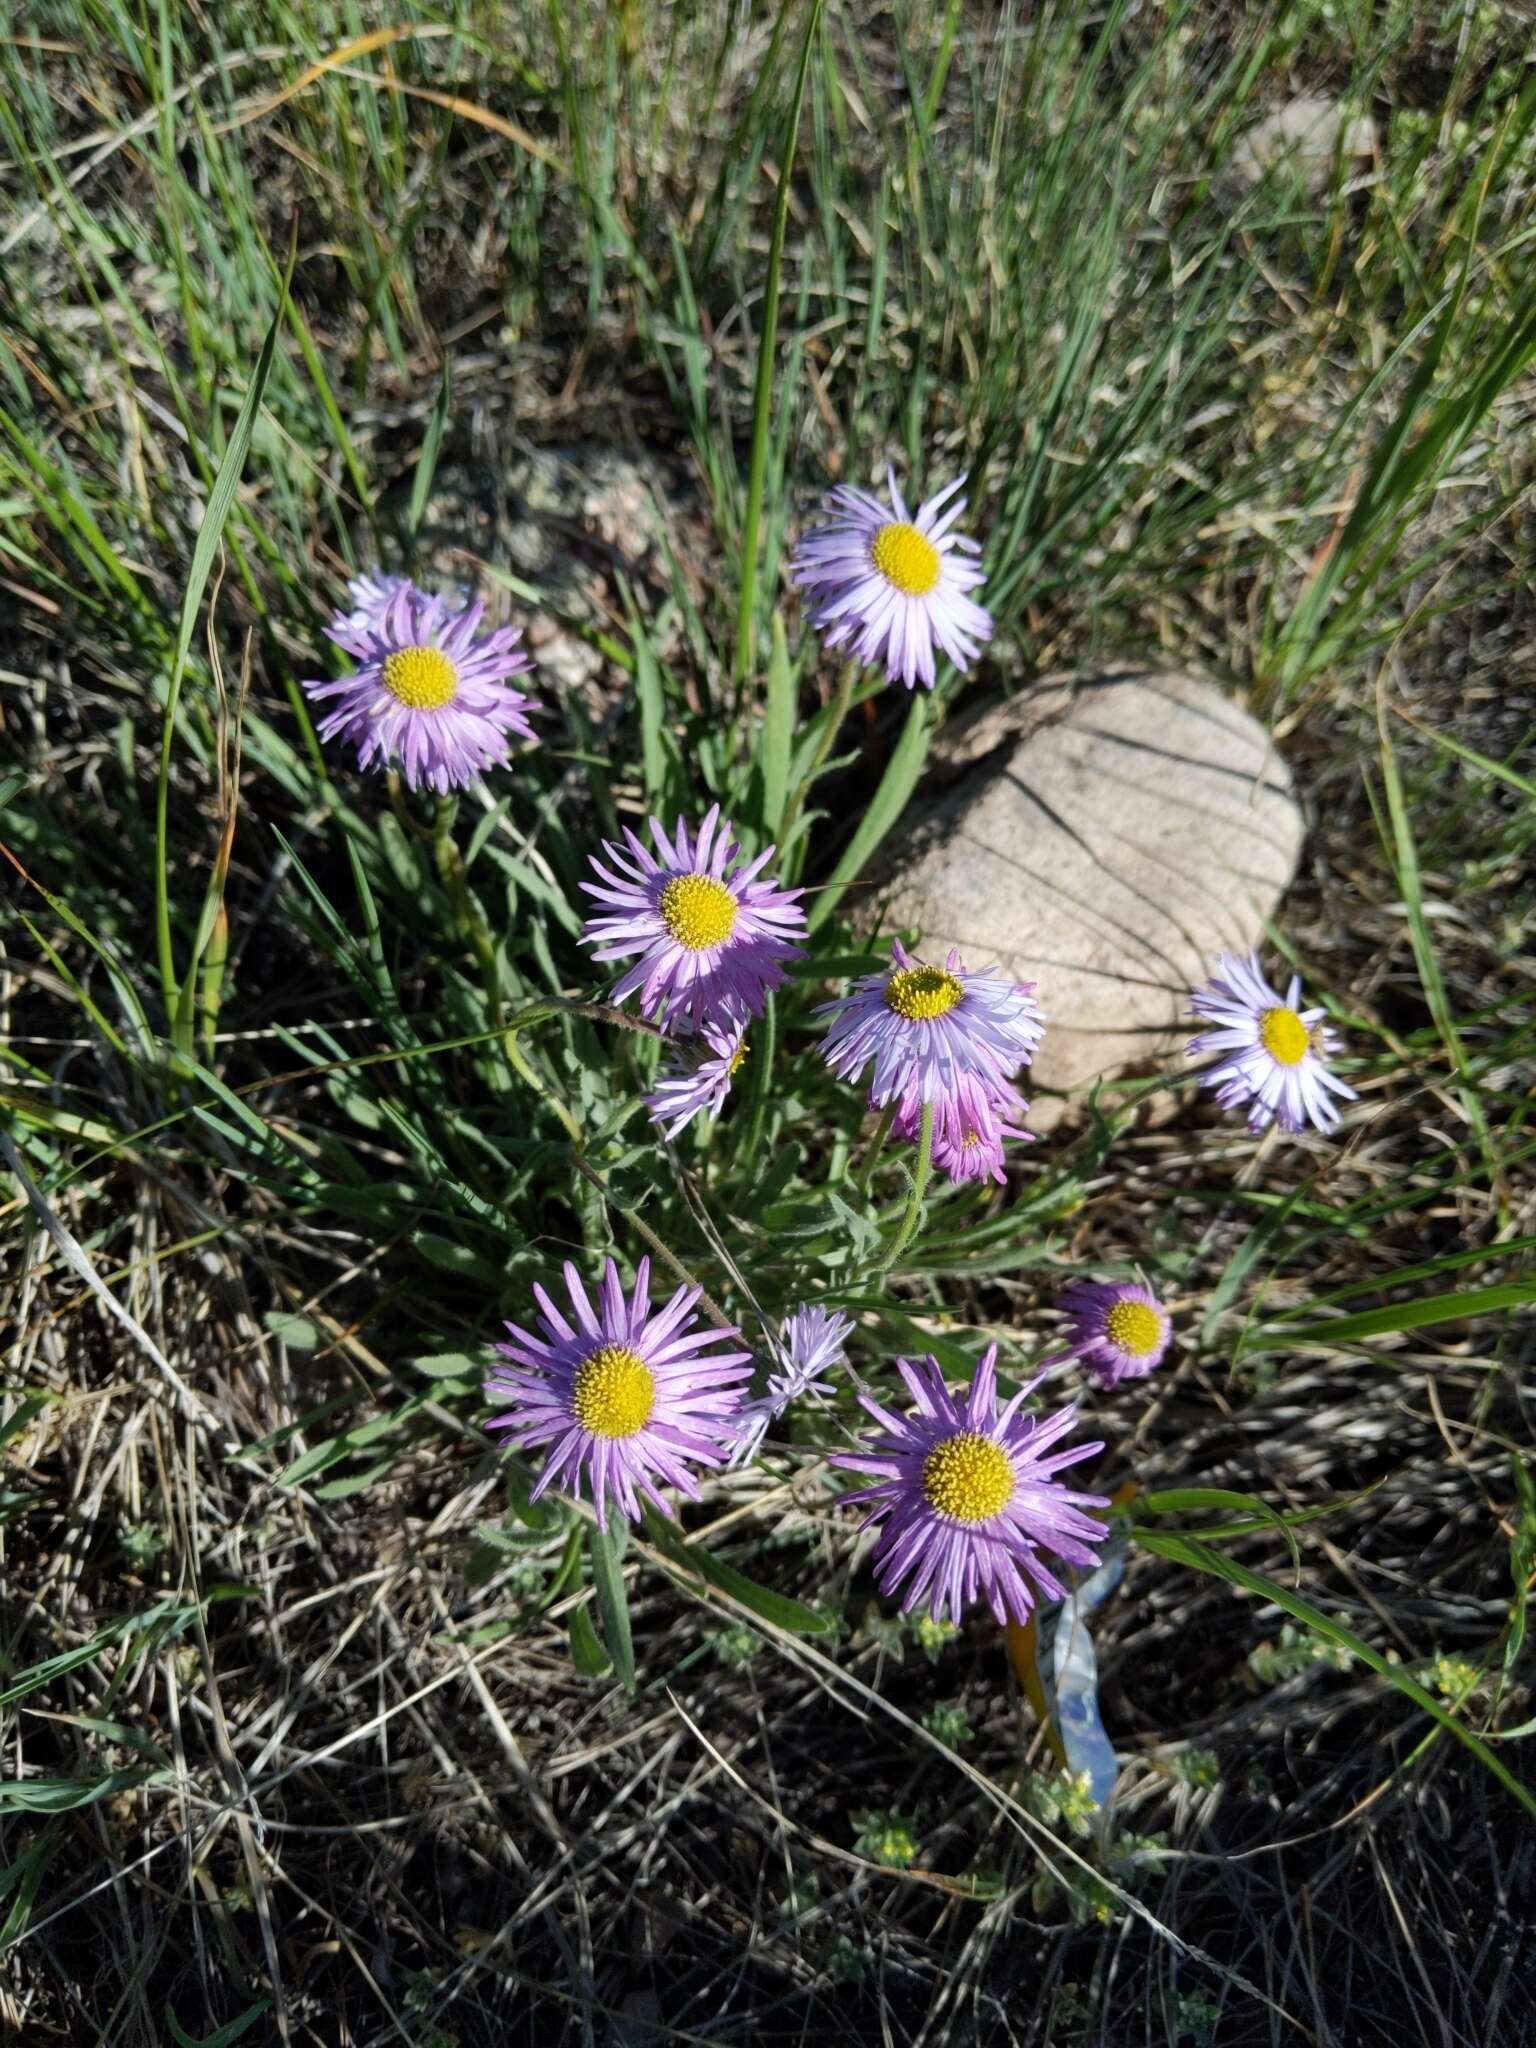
x: 1105, y: 837
x: 1305, y: 134
x: 571, y: 523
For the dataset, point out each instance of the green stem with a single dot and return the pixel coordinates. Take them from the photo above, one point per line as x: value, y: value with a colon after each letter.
x: 907, y: 1228
x: 472, y: 926
x: 833, y: 726
x: 518, y: 1060
x: 662, y: 1251
x: 866, y: 1172
x: 762, y: 396
x: 765, y: 1034
x: 450, y: 866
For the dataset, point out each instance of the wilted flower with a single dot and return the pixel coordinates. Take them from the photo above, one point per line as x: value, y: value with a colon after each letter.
x: 371, y: 594
x: 966, y: 1500
x: 430, y: 690
x: 968, y: 1129
x: 624, y: 1397
x: 892, y: 584
x: 1120, y: 1330
x: 1274, y: 1053
x: 811, y: 1341
x: 712, y: 937
x: 688, y: 1084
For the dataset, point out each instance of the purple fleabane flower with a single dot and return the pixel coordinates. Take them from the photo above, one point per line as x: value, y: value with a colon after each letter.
x: 811, y: 1341
x: 930, y: 1031
x: 1120, y: 1330
x: 712, y: 937
x: 893, y: 583
x: 430, y: 690
x: 967, y: 1499
x: 968, y: 1130
x: 688, y: 1084
x: 371, y: 594
x: 1274, y: 1053
x: 624, y: 1396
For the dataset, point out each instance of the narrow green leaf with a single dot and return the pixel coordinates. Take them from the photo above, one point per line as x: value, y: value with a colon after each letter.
x: 653, y: 709
x: 64, y: 1795
x: 1522, y: 1555
x: 587, y: 1652
x: 777, y: 736
x: 215, y: 514
x: 607, y: 1551
x: 1425, y: 957
x: 767, y: 349
x: 26, y: 1410
x: 296, y: 1331
x: 174, y: 1614
x: 432, y: 441
x: 1197, y: 1556
x: 896, y: 785
x: 777, y: 1608
x: 1402, y: 1315
x: 221, y: 2037
x: 451, y: 1365
x: 1499, y: 769
x: 1430, y: 1269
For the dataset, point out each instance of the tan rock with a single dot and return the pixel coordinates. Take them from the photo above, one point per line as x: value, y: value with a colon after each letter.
x: 1305, y: 135
x: 1105, y: 836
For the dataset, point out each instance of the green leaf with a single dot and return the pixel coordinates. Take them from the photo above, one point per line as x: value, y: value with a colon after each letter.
x: 890, y: 800
x: 173, y: 1614
x: 1522, y: 1555
x: 1499, y: 769
x: 221, y: 2037
x: 777, y: 736
x: 450, y: 1256
x: 64, y: 1795
x: 432, y: 441
x: 1188, y: 1551
x: 777, y: 1608
x: 1402, y: 1315
x: 653, y: 709
x: 26, y: 1410
x: 607, y: 1550
x: 294, y: 1330
x: 209, y: 534
x: 764, y: 382
x: 451, y: 1365
x: 587, y: 1652
x: 1426, y: 960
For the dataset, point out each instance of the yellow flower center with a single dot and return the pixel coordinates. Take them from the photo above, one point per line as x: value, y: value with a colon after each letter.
x: 1133, y: 1328
x: 698, y: 911
x: 739, y: 1055
x: 422, y: 678
x: 967, y: 1477
x: 918, y: 993
x: 906, y: 558
x: 1285, y: 1036
x: 614, y: 1392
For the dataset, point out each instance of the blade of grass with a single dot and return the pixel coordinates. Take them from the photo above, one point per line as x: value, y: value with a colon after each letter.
x: 1197, y: 1557
x: 612, y: 1602
x: 220, y: 500
x: 1406, y: 863
x: 1402, y: 1315
x: 896, y: 785
x: 776, y: 740
x: 767, y: 349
